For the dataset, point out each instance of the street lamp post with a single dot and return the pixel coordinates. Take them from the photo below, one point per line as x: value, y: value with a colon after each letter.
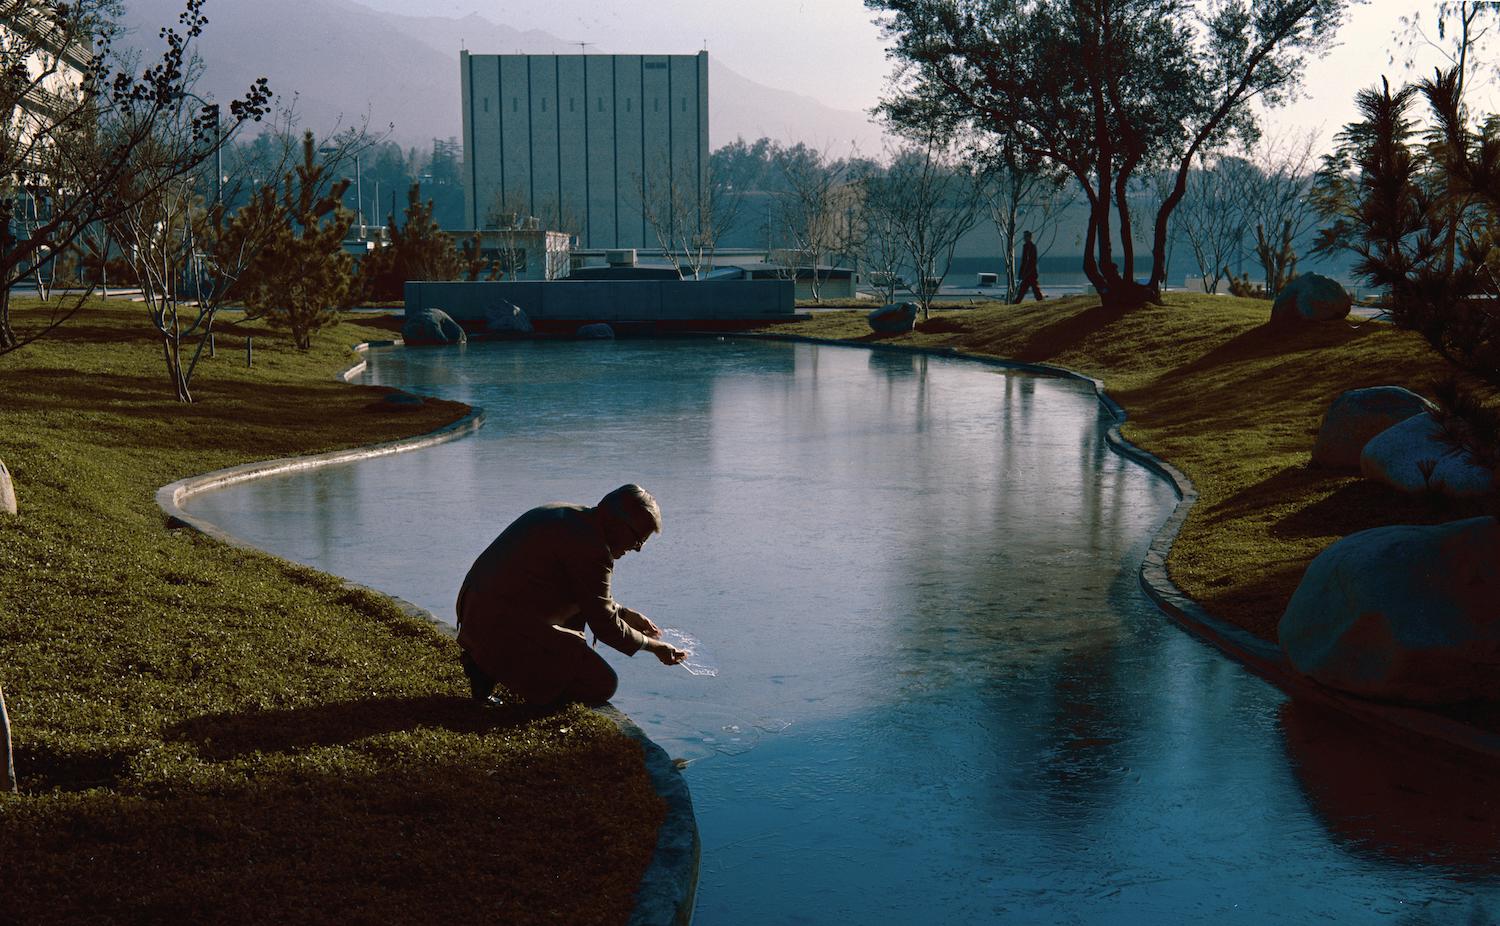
x: 359, y: 199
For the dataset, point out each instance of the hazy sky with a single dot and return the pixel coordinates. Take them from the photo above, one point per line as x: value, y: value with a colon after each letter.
x: 830, y: 49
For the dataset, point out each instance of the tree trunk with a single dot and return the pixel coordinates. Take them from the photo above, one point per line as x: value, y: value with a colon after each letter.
x: 7, y: 761
x: 7, y: 336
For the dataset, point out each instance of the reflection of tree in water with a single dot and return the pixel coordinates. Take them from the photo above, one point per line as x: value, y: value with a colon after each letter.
x: 1413, y: 803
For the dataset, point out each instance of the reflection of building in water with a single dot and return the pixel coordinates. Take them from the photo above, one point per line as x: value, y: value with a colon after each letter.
x: 576, y: 139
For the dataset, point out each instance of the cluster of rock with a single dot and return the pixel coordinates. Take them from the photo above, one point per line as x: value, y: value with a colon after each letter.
x: 1403, y: 613
x: 436, y: 327
x: 432, y: 326
x: 1393, y: 436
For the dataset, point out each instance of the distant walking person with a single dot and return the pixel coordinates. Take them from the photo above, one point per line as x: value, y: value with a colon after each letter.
x: 1028, y: 270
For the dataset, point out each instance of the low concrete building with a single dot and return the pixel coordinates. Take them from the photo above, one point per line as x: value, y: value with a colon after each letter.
x: 526, y: 251
x: 650, y: 304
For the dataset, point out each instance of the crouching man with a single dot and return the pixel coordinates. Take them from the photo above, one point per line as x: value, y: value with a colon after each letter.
x: 525, y: 603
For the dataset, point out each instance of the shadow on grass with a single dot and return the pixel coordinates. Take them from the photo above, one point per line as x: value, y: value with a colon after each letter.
x: 1256, y: 604
x: 41, y: 767
x: 430, y: 842
x: 1365, y: 503
x: 1353, y: 504
x: 1056, y: 338
x: 240, y: 416
x: 225, y: 736
x: 1266, y: 341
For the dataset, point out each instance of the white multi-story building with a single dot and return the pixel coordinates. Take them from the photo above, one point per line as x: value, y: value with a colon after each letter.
x: 50, y: 66
x: 585, y: 141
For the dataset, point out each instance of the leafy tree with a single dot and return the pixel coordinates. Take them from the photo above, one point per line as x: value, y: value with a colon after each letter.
x: 1391, y: 200
x: 302, y: 278
x: 418, y: 250
x: 78, y: 120
x: 743, y: 166
x: 1100, y: 89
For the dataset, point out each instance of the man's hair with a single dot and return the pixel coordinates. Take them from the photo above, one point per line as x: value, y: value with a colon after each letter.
x: 635, y: 506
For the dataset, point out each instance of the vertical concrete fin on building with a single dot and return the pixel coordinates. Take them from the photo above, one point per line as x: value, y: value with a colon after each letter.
x: 466, y: 81
x: 577, y: 135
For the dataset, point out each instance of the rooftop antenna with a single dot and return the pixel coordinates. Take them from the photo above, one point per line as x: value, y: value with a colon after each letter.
x: 581, y: 46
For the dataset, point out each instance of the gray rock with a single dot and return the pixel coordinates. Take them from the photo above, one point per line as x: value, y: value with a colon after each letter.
x: 893, y: 319
x: 1412, y: 457
x: 505, y: 318
x: 1358, y: 415
x: 7, y: 491
x: 1311, y: 297
x: 1404, y: 613
x: 596, y: 330
x: 432, y: 326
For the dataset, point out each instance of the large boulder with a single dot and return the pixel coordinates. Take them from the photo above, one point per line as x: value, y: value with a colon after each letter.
x: 1404, y: 613
x: 432, y: 326
x: 893, y: 319
x: 1413, y: 457
x: 1358, y: 415
x: 7, y: 491
x: 1311, y: 297
x: 505, y: 318
x: 597, y: 330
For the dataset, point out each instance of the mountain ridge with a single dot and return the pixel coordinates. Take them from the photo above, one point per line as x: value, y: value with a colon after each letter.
x: 344, y: 62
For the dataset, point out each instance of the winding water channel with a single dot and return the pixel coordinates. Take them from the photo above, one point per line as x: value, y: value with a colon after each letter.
x: 942, y: 695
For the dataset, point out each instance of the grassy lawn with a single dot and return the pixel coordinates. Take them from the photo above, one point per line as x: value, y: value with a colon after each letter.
x: 207, y: 734
x: 1229, y: 401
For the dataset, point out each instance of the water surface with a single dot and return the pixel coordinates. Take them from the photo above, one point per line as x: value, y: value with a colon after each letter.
x: 942, y: 696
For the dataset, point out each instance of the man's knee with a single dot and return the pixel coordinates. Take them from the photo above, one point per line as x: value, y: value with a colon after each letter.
x: 595, y: 683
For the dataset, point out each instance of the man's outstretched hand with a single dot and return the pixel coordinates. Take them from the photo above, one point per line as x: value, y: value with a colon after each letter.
x: 640, y: 622
x: 666, y: 652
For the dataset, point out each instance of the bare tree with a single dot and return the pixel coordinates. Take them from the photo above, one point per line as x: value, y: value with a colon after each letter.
x: 1212, y: 216
x: 1277, y: 200
x: 83, y: 119
x: 688, y: 221
x: 186, y: 251
x: 931, y: 201
x: 816, y: 213
x: 1020, y: 195
x: 881, y: 246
